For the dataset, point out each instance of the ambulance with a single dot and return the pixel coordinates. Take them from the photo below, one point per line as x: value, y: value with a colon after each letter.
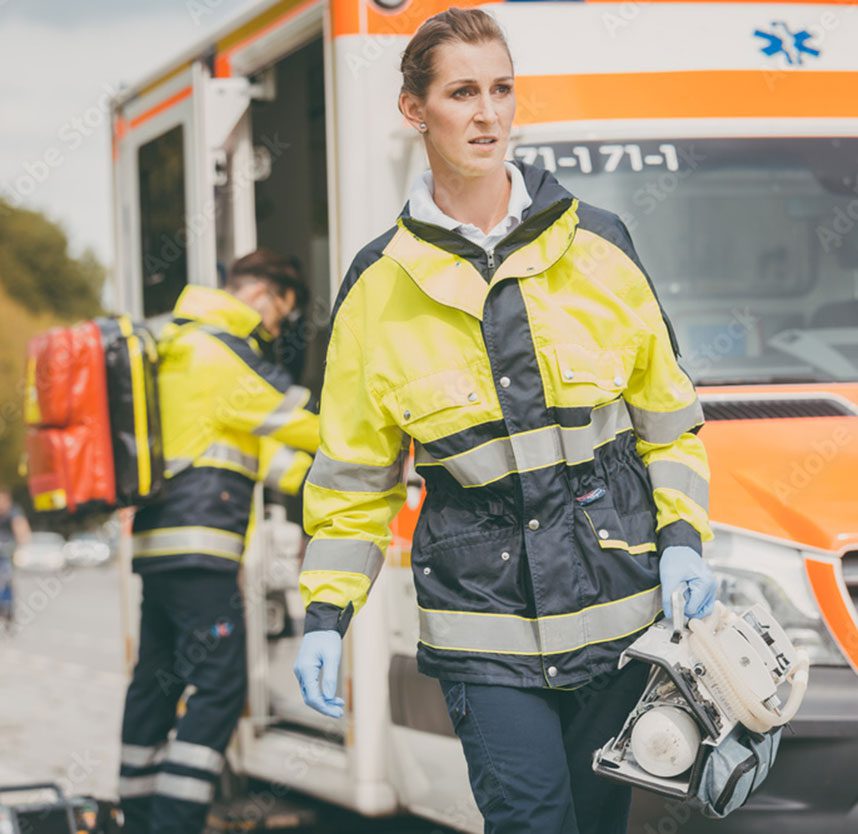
x: 725, y: 134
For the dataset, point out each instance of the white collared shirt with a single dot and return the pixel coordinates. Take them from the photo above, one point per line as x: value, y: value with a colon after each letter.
x: 423, y: 207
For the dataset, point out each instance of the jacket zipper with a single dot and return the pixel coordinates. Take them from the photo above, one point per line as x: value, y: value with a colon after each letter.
x: 491, y: 261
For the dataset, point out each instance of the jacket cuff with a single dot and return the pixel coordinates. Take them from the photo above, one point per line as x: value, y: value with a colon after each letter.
x: 679, y: 532
x: 324, y: 616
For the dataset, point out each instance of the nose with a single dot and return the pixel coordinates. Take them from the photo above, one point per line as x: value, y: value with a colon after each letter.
x: 486, y: 111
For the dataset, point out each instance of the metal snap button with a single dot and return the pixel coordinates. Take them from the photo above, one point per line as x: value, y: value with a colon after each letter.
x: 504, y: 381
x: 505, y: 556
x: 618, y: 380
x: 472, y: 397
x: 407, y: 415
x: 533, y: 524
x: 603, y: 533
x: 567, y: 374
x: 552, y: 671
x: 427, y: 571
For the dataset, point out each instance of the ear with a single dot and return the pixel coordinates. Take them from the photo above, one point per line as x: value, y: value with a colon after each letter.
x: 289, y: 298
x: 412, y: 108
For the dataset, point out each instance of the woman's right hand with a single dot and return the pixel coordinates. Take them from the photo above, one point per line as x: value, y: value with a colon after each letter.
x: 320, y: 652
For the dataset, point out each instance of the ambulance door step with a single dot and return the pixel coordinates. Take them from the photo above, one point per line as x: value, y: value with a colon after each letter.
x: 259, y: 812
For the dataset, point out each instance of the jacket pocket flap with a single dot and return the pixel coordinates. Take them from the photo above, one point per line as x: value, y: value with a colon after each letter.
x: 429, y: 394
x: 607, y: 368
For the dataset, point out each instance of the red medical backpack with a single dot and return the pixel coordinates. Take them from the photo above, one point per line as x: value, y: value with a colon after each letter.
x: 93, y: 426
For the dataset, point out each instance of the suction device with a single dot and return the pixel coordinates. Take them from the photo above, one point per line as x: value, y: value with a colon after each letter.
x: 708, y: 723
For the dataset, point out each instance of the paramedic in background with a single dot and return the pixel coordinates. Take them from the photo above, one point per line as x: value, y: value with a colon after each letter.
x: 229, y: 418
x: 14, y: 527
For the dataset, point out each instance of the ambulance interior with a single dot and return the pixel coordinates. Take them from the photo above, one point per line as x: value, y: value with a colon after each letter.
x: 287, y: 125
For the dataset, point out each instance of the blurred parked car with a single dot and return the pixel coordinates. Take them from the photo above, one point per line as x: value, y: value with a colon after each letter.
x: 86, y: 549
x: 44, y: 552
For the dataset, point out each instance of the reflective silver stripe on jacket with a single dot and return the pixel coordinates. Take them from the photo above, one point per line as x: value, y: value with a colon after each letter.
x: 279, y: 465
x: 188, y: 540
x: 665, y: 426
x: 508, y: 634
x: 194, y: 755
x: 350, y: 555
x: 296, y: 397
x: 224, y: 453
x: 672, y: 474
x: 137, y: 755
x: 533, y: 449
x: 187, y: 788
x: 216, y: 453
x: 354, y: 477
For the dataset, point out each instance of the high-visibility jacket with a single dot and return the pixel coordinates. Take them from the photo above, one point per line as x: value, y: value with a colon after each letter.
x: 226, y: 414
x: 553, y: 425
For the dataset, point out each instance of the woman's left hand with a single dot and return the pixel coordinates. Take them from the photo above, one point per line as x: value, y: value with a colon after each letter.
x: 682, y: 564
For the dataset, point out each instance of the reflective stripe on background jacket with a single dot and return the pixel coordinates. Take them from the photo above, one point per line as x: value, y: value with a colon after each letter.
x: 225, y: 415
x: 554, y: 427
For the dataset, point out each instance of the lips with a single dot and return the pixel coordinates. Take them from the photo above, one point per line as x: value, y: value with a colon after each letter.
x: 483, y: 140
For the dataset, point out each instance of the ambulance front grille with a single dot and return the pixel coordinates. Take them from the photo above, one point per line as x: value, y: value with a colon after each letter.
x: 730, y: 407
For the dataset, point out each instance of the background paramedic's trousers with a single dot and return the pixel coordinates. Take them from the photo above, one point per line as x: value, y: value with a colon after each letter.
x: 530, y: 752
x: 191, y: 632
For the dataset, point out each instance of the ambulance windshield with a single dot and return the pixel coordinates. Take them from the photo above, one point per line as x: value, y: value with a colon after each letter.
x: 752, y: 245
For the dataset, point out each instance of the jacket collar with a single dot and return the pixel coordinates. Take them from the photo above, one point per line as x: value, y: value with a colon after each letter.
x: 449, y: 268
x: 217, y: 308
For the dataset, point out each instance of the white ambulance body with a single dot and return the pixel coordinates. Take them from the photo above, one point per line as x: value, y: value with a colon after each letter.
x: 693, y: 121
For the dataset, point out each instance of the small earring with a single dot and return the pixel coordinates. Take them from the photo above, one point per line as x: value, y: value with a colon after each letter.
x: 422, y: 127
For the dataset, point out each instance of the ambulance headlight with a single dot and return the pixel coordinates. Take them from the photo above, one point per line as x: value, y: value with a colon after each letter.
x: 752, y: 570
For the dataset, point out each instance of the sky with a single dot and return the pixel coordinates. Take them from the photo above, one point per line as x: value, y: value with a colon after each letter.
x: 60, y: 61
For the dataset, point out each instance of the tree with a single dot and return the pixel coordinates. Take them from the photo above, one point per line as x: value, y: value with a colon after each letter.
x: 37, y: 270
x: 41, y: 285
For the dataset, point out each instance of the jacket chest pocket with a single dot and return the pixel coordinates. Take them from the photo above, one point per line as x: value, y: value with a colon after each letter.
x: 586, y: 376
x: 633, y: 532
x: 439, y: 404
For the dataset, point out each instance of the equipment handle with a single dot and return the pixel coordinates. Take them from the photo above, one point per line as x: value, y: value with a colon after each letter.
x: 677, y: 601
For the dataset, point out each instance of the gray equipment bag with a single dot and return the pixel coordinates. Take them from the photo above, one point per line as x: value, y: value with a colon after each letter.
x: 734, y: 769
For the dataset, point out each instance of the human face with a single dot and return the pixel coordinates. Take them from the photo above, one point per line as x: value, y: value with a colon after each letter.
x: 276, y: 310
x: 468, y: 109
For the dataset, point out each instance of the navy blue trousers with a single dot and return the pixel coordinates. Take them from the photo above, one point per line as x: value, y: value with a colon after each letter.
x: 529, y: 752
x: 192, y: 639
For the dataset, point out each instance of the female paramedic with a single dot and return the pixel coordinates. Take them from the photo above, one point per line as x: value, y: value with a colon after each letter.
x: 509, y: 329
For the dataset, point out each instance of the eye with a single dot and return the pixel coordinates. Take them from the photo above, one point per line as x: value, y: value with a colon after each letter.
x: 462, y: 92
x: 504, y: 89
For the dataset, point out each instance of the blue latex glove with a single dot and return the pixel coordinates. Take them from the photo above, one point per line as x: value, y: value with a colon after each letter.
x: 320, y: 652
x: 682, y: 564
